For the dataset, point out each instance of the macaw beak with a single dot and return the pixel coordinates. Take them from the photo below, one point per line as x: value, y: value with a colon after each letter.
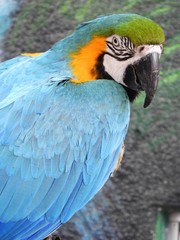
x: 144, y: 75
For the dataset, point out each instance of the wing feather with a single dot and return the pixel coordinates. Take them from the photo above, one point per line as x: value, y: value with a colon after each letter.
x: 50, y: 197
x: 58, y: 155
x: 7, y: 194
x: 73, y: 181
x: 40, y: 194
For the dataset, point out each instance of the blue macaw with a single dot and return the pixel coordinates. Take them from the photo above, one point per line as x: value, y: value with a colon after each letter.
x: 61, y: 130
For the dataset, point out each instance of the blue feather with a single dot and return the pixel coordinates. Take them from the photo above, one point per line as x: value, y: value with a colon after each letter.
x: 50, y: 197
x: 40, y: 194
x: 7, y: 194
x: 48, y: 228
x: 56, y: 161
x: 25, y: 168
x: 65, y: 193
x: 3, y: 180
x: 27, y: 196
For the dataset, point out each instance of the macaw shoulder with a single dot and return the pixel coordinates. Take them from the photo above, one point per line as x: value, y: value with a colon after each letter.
x: 30, y: 67
x: 24, y: 74
x: 6, y: 65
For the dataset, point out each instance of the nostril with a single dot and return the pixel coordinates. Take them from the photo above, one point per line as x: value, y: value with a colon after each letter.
x: 141, y: 48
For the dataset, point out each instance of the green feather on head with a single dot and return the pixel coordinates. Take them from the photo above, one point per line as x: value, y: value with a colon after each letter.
x: 140, y: 30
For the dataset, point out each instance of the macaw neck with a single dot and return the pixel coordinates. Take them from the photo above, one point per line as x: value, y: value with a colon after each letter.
x: 84, y: 61
x: 81, y: 57
x: 132, y: 94
x: 71, y: 43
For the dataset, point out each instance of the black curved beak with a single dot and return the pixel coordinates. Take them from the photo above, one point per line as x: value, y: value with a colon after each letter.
x: 144, y: 75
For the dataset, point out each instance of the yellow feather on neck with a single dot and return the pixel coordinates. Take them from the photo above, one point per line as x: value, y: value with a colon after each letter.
x: 31, y: 54
x: 84, y: 60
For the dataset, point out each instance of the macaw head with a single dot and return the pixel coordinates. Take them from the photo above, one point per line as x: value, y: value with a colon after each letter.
x: 125, y: 48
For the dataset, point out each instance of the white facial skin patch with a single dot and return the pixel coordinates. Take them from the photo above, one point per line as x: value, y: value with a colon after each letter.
x: 114, y: 63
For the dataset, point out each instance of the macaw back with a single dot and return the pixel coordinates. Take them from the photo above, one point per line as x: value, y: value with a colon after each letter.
x: 59, y: 142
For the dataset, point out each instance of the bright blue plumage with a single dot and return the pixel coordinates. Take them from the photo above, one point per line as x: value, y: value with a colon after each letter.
x: 59, y: 140
x: 59, y: 144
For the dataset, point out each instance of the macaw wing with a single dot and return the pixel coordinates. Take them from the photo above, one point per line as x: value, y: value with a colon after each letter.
x: 58, y: 146
x: 22, y: 74
x: 6, y: 65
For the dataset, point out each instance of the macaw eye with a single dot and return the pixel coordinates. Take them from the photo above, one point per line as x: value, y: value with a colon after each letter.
x: 115, y: 41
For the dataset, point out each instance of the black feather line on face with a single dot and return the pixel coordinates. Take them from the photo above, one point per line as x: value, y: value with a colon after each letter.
x: 121, y: 58
x: 102, y: 74
x: 119, y: 53
x: 126, y: 48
